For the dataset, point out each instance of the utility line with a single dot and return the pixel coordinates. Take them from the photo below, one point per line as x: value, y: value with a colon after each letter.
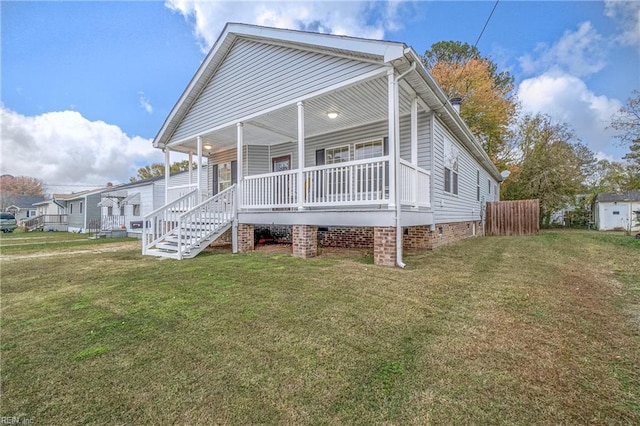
x: 486, y: 23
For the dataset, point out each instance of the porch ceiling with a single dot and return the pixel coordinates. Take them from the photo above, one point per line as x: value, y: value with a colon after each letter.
x: 357, y: 105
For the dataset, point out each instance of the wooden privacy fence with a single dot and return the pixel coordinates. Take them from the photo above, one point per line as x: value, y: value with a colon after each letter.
x: 521, y: 217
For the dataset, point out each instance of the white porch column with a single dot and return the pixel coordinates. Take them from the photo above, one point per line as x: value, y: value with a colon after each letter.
x: 414, y: 149
x: 167, y: 173
x: 240, y: 158
x: 199, y: 170
x: 391, y: 113
x: 190, y: 169
x: 300, y: 155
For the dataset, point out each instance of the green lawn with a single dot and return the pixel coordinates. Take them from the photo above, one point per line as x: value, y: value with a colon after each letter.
x: 530, y: 330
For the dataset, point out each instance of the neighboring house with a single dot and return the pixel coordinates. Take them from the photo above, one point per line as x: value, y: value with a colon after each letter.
x: 22, y: 206
x: 124, y: 206
x: 618, y: 211
x: 348, y: 138
x: 50, y: 216
x: 82, y: 210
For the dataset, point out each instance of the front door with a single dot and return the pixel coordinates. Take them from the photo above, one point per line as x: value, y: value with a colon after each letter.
x: 279, y: 164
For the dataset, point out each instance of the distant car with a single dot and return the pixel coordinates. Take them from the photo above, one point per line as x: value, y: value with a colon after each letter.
x: 8, y: 222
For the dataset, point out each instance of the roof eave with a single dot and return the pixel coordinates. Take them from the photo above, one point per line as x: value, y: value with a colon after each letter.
x: 451, y: 115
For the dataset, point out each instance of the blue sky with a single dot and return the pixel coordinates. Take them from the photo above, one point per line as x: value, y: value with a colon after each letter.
x: 85, y: 86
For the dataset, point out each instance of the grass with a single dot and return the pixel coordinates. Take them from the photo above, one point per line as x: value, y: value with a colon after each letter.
x: 531, y: 330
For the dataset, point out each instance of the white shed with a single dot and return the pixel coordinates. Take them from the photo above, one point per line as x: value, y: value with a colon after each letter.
x: 618, y: 211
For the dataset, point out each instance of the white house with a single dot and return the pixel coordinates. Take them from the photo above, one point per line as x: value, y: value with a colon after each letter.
x: 21, y: 206
x: 123, y: 207
x: 342, y: 135
x: 618, y: 211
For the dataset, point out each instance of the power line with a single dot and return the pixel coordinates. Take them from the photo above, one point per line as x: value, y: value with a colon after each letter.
x: 486, y: 23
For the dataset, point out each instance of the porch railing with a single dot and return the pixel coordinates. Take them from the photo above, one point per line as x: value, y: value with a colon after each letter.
x: 40, y: 221
x: 271, y: 190
x: 111, y: 222
x: 353, y: 182
x: 360, y: 182
x: 164, y: 219
x: 414, y: 185
x: 176, y: 192
x: 206, y: 218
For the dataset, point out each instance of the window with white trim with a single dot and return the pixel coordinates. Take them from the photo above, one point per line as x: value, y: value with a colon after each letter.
x: 224, y: 176
x: 136, y: 209
x: 80, y: 206
x: 338, y: 154
x: 477, y: 185
x: 369, y: 149
x: 451, y: 154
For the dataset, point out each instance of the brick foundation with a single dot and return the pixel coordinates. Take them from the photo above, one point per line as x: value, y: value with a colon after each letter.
x: 346, y: 237
x: 224, y: 239
x: 305, y: 241
x: 447, y: 233
x: 245, y: 238
x: 384, y: 246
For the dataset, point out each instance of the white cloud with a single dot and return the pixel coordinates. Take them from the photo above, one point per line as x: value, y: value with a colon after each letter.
x: 581, y: 53
x: 567, y: 98
x: 144, y: 103
x: 354, y: 18
x: 64, y: 147
x: 628, y: 15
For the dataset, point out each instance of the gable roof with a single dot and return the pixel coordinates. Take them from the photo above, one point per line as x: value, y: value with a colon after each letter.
x: 611, y: 197
x: 381, y: 55
x: 77, y: 195
x: 25, y: 201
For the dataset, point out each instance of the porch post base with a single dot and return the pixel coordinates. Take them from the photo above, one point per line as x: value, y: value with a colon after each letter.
x: 384, y: 246
x: 305, y: 241
x: 245, y: 238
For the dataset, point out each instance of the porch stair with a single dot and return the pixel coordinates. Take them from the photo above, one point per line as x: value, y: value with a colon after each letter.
x: 182, y: 228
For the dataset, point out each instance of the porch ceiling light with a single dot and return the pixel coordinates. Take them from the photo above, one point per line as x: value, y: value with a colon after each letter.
x: 207, y: 146
x: 332, y: 114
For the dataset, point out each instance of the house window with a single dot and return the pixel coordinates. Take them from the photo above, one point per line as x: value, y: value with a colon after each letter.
x: 80, y: 207
x: 71, y: 208
x: 450, y: 167
x: 122, y: 210
x: 616, y: 212
x: 489, y: 185
x: 136, y: 209
x: 495, y: 190
x: 224, y: 176
x: 338, y: 154
x: 371, y: 149
x: 451, y: 180
x: 110, y: 211
x: 477, y: 185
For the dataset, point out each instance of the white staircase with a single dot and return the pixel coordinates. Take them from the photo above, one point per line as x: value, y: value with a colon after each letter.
x: 183, y: 228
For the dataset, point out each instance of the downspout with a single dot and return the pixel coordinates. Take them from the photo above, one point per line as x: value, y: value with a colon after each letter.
x: 396, y: 140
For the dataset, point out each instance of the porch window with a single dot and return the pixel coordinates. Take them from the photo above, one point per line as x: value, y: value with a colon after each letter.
x: 338, y: 154
x: 110, y: 211
x: 121, y: 210
x: 136, y: 209
x: 370, y: 149
x: 224, y: 176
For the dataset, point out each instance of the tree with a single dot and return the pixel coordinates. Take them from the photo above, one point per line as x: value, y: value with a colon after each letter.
x: 627, y: 123
x: 489, y: 105
x: 13, y: 186
x: 157, y: 169
x: 552, y: 165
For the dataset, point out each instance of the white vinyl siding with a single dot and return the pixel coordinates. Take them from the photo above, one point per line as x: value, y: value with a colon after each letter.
x: 465, y: 206
x: 256, y: 76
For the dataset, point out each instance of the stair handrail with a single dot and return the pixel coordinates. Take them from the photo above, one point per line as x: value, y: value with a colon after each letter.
x: 210, y: 215
x: 161, y: 221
